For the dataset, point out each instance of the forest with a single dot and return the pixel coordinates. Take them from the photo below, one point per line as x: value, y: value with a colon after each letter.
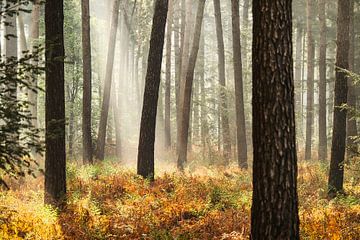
x: 180, y: 119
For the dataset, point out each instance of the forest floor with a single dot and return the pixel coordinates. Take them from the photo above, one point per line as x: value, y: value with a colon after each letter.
x: 106, y: 201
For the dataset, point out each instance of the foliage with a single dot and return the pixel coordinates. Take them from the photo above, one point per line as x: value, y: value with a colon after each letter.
x: 108, y: 202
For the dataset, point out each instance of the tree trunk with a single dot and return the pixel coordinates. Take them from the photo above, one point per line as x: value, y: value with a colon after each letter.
x: 86, y: 118
x: 55, y: 157
x: 224, y: 116
x: 352, y: 95
x: 322, y: 155
x: 100, y: 151
x: 239, y: 89
x: 274, y: 213
x: 336, y: 176
x: 145, y: 164
x: 185, y: 103
x: 298, y: 77
x: 310, y: 80
x: 23, y: 42
x: 168, y: 77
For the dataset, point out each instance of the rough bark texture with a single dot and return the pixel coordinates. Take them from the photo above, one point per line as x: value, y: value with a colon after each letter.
x: 275, y: 202
x: 222, y: 82
x: 239, y: 89
x: 322, y: 151
x: 55, y: 158
x: 100, y: 146
x: 310, y: 80
x: 352, y: 94
x: 145, y: 164
x: 168, y: 77
x: 336, y: 176
x: 185, y: 103
x: 86, y: 118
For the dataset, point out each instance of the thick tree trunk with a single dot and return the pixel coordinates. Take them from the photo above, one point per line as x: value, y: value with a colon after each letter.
x: 86, y: 118
x: 352, y: 95
x: 336, y: 175
x: 222, y: 82
x: 55, y: 157
x: 239, y: 89
x: 185, y: 103
x: 322, y: 151
x: 168, y: 77
x: 275, y: 203
x: 100, y: 146
x: 310, y: 80
x: 145, y: 164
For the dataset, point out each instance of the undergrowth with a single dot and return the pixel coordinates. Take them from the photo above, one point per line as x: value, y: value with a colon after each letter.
x: 108, y: 202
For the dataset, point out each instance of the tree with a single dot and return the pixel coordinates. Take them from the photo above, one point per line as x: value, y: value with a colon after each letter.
x: 222, y: 82
x: 168, y: 77
x: 310, y: 79
x: 239, y: 89
x: 55, y: 159
x: 145, y: 161
x: 86, y: 119
x: 322, y: 155
x: 100, y: 146
x: 274, y: 213
x: 185, y: 99
x: 336, y: 175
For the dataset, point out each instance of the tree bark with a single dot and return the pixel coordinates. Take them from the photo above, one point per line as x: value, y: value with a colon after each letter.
x: 145, y: 164
x: 168, y: 77
x: 86, y: 118
x: 310, y: 80
x: 239, y: 89
x: 100, y: 151
x: 275, y: 203
x: 55, y: 157
x: 336, y: 175
x: 185, y: 103
x: 322, y: 154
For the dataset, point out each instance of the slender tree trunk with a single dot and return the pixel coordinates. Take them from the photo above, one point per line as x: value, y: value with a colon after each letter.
x: 23, y: 42
x: 352, y: 95
x: 274, y: 213
x: 86, y: 118
x: 168, y: 77
x: 55, y: 157
x: 222, y: 82
x: 322, y: 155
x: 145, y: 164
x: 71, y: 127
x: 310, y: 80
x: 203, y: 108
x: 100, y: 151
x: 178, y: 37
x: 298, y: 77
x: 336, y: 175
x: 239, y: 89
x: 185, y: 103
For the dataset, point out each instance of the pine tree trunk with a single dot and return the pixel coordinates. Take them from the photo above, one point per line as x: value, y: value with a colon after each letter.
x: 145, y: 164
x: 239, y: 89
x: 322, y: 154
x: 336, y: 175
x: 100, y: 146
x: 185, y: 103
x: 275, y: 203
x: 55, y: 157
x: 310, y: 80
x: 86, y: 118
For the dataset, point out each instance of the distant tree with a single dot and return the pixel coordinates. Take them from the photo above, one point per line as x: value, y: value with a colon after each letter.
x: 100, y: 146
x: 185, y: 99
x: 55, y: 157
x: 86, y: 120
x: 336, y: 175
x: 322, y: 155
x: 310, y: 79
x: 222, y: 82
x: 145, y: 161
x: 239, y: 88
x: 274, y: 212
